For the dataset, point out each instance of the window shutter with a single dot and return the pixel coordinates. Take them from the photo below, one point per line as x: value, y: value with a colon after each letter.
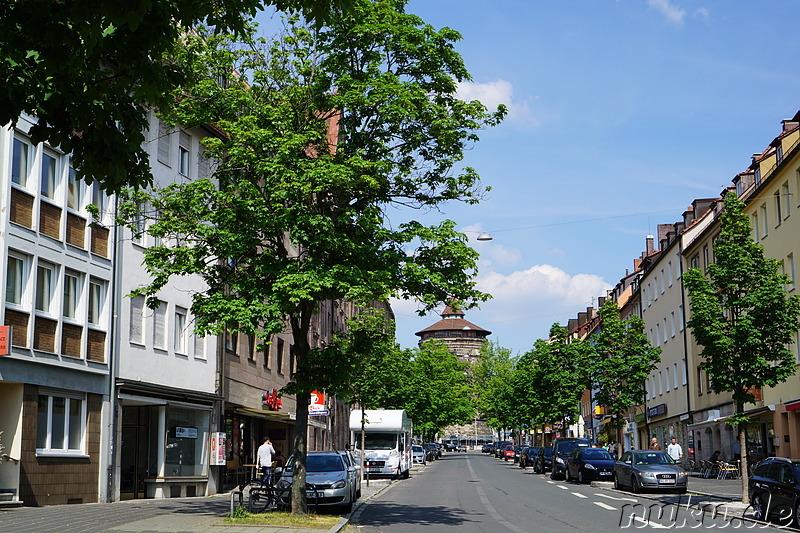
x: 199, y: 346
x: 159, y: 323
x: 137, y: 306
x: 163, y: 143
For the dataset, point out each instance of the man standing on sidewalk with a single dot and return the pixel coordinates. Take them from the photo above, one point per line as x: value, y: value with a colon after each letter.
x: 265, y: 453
x: 675, y: 451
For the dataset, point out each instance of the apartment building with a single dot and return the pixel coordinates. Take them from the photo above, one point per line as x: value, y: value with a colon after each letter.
x: 58, y: 271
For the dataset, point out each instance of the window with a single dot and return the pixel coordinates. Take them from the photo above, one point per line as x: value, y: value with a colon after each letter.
x: 666, y: 337
x: 20, y: 162
x: 45, y: 286
x: 778, y: 211
x: 658, y: 334
x: 231, y: 341
x: 662, y: 281
x: 758, y: 175
x: 72, y: 293
x: 779, y: 153
x: 60, y: 424
x: 97, y: 300
x: 666, y: 379
x: 787, y: 200
x: 199, y: 346
x: 650, y: 337
x: 74, y: 190
x: 653, y: 387
x: 683, y: 371
x: 669, y: 273
x: 678, y: 266
x: 764, y: 221
x: 756, y: 229
x: 672, y: 323
x: 159, y: 326
x: 279, y: 356
x: 164, y: 139
x: 48, y: 175
x: 15, y: 279
x: 291, y: 359
x: 695, y: 261
x: 790, y: 261
x: 180, y: 330
x: 136, y: 332
x: 699, y: 382
x: 660, y: 384
x: 251, y: 347
x: 675, y: 375
x: 139, y: 224
x: 680, y: 316
x: 655, y: 288
x: 649, y: 296
x: 183, y: 152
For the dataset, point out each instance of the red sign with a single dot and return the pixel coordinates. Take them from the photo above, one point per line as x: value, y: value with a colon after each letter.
x: 5, y: 339
x: 317, y: 402
x: 271, y: 400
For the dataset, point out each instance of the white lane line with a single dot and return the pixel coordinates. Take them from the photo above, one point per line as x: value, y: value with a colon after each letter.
x: 649, y: 523
x: 634, y: 500
x: 489, y: 507
x: 578, y: 494
x: 604, y: 506
x: 551, y: 482
x: 562, y: 487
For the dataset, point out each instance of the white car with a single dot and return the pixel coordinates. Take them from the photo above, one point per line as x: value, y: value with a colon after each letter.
x: 418, y: 454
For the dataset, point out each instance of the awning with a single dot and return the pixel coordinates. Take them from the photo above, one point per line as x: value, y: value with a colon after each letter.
x: 721, y: 419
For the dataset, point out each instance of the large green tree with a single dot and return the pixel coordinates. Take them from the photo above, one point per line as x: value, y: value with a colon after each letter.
x: 556, y: 378
x: 436, y: 389
x: 88, y: 70
x: 742, y: 317
x: 324, y: 133
x: 493, y: 380
x: 621, y: 360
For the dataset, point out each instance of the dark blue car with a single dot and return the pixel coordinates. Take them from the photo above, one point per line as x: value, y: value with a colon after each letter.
x: 588, y: 464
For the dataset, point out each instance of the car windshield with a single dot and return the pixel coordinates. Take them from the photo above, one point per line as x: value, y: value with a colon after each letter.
x: 380, y: 441
x: 566, y: 448
x: 417, y: 448
x: 324, y: 463
x: 548, y: 452
x: 652, y: 458
x: 596, y: 453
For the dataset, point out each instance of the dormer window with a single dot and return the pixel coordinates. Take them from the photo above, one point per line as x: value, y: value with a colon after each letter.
x: 779, y: 153
x: 758, y: 176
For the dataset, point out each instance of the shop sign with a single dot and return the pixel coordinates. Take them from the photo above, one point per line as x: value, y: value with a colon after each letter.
x: 657, y: 410
x: 217, y: 455
x: 316, y: 405
x: 271, y: 400
x: 5, y: 339
x: 185, y: 433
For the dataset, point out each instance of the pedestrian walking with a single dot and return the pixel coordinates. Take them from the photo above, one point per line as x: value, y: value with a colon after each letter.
x: 654, y: 445
x: 675, y: 451
x: 264, y: 460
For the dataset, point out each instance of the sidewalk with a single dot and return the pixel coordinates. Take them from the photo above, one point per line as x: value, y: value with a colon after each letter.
x: 174, y: 515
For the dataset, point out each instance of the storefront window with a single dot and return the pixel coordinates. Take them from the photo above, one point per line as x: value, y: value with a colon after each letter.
x: 187, y: 438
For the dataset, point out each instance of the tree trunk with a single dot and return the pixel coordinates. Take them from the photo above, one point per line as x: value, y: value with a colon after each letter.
x: 299, y: 504
x: 742, y: 428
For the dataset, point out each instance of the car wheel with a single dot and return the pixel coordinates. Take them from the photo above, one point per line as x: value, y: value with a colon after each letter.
x: 581, y: 477
x: 617, y: 484
x: 567, y: 475
x: 536, y: 468
x: 552, y: 475
x: 635, y: 485
x: 759, y: 511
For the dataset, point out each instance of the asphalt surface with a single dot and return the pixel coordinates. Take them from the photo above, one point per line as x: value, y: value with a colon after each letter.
x: 477, y: 493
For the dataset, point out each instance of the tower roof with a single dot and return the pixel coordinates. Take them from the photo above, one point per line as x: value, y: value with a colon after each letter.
x: 453, y: 320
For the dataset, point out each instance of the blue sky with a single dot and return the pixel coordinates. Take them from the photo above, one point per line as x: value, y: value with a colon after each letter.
x: 621, y: 113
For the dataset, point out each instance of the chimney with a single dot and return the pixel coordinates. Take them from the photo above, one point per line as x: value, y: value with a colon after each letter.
x: 650, y: 244
x: 789, y: 124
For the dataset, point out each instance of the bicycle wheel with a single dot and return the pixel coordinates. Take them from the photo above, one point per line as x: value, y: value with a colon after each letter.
x: 260, y: 500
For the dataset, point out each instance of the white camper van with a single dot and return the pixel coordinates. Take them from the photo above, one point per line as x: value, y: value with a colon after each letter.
x: 387, y: 441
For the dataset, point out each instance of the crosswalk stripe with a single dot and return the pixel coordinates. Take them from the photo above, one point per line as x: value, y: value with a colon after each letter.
x: 579, y: 495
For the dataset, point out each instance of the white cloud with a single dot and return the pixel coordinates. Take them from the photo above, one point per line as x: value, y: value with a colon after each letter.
x: 702, y: 13
x: 494, y: 93
x: 674, y: 13
x: 544, y: 283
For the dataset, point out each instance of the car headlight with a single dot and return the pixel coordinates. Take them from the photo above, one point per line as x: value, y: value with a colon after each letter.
x: 559, y: 460
x: 647, y: 474
x: 590, y: 467
x: 339, y: 484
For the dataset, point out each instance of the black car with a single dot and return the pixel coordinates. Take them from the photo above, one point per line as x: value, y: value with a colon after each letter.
x: 543, y: 462
x: 562, y: 447
x: 774, y: 489
x: 527, y: 456
x: 587, y: 464
x: 486, y: 448
x: 500, y: 450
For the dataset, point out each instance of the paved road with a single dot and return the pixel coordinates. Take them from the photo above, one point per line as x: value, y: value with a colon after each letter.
x: 477, y: 493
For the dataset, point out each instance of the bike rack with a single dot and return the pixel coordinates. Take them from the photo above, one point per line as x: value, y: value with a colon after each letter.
x: 241, y: 499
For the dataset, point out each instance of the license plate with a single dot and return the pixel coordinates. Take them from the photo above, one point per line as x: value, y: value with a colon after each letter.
x: 667, y: 481
x: 605, y: 473
x: 309, y: 494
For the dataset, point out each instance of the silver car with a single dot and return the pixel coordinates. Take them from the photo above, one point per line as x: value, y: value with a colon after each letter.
x: 649, y: 469
x: 418, y: 454
x: 328, y: 479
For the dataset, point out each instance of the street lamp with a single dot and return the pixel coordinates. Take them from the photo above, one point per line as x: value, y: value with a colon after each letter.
x: 484, y: 237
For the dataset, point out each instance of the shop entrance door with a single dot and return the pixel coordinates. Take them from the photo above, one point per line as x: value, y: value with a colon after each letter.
x: 133, y: 453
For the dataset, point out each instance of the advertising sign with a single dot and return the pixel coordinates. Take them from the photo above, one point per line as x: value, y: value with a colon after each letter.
x: 185, y: 433
x: 5, y: 339
x: 316, y: 405
x: 217, y: 453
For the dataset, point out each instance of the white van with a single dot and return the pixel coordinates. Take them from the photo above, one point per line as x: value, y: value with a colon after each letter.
x: 387, y: 441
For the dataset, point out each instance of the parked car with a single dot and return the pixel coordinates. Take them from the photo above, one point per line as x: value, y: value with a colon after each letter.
x: 486, y: 448
x: 775, y: 491
x: 510, y: 452
x: 418, y: 454
x: 329, y: 475
x: 562, y: 447
x: 431, y: 452
x: 649, y: 469
x: 543, y: 462
x: 354, y: 465
x: 527, y: 456
x: 500, y: 450
x: 587, y: 464
x: 461, y: 448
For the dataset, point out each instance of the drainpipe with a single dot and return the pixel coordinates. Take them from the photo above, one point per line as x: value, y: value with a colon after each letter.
x: 682, y: 318
x: 113, y: 362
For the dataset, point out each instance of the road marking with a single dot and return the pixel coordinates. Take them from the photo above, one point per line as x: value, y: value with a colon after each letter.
x: 604, y: 506
x: 649, y: 523
x: 562, y: 487
x: 551, y: 482
x: 489, y: 507
x: 579, y: 495
x: 634, y: 500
